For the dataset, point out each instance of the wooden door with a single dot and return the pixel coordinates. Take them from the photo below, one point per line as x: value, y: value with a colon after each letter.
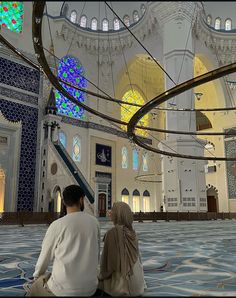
x: 102, y: 205
x: 211, y: 204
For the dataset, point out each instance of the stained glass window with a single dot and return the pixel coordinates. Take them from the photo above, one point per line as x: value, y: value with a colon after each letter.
x: 62, y: 138
x: 145, y: 162
x: 124, y: 153
x: 217, y: 23
x: 73, y: 16
x: 105, y: 25
x: 228, y: 24
x: 116, y: 24
x: 12, y: 15
x: 135, y: 16
x: 83, y: 21
x: 126, y: 21
x: 209, y: 20
x: 76, y: 149
x: 70, y: 70
x: 135, y: 159
x: 94, y: 24
x: 128, y: 111
x: 143, y: 9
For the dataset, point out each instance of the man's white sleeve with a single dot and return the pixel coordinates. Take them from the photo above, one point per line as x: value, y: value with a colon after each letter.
x: 47, y: 252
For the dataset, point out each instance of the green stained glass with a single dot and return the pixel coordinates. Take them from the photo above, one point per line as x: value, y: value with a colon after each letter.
x: 64, y: 74
x: 77, y: 80
x: 12, y: 15
x: 64, y: 105
x: 77, y: 93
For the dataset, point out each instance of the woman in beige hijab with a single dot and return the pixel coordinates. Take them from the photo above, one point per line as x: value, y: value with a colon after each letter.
x: 121, y: 271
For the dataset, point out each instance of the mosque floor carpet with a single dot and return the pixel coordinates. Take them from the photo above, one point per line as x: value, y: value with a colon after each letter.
x: 194, y: 258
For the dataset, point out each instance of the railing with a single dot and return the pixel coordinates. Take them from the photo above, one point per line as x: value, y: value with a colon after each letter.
x: 75, y: 171
x: 178, y: 216
x: 24, y: 218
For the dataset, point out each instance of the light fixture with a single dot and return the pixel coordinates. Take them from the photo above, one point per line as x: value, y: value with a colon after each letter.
x: 198, y: 95
x: 209, y: 146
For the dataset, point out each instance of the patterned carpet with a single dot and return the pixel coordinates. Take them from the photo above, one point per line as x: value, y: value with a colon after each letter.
x: 180, y: 258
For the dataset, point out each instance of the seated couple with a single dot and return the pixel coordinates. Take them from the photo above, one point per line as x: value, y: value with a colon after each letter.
x: 73, y: 244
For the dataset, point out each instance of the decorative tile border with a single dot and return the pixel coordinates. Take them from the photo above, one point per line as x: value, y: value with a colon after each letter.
x: 96, y: 126
x: 18, y: 95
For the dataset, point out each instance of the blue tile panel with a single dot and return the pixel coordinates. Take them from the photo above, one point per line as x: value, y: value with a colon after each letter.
x: 19, y: 76
x: 29, y: 117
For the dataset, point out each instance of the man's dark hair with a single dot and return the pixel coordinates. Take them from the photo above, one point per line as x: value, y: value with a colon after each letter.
x: 72, y: 195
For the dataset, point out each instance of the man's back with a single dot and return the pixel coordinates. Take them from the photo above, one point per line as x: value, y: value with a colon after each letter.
x: 75, y: 250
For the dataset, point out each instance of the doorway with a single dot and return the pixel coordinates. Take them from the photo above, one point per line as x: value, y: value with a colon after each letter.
x: 102, y: 204
x: 2, y: 189
x: 212, y: 200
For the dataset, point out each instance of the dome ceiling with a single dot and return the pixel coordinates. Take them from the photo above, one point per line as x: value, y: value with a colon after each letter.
x: 223, y: 10
x: 99, y: 11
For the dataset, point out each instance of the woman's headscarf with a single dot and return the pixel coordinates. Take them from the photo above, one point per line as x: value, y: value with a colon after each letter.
x: 120, y: 251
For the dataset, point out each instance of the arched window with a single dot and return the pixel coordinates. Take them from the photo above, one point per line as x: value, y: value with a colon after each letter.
x: 128, y: 111
x: 136, y: 201
x: 70, y: 70
x: 126, y: 20
x: 83, y: 21
x: 73, y: 16
x: 146, y: 201
x: 94, y: 24
x: 228, y: 24
x: 125, y: 196
x: 209, y: 20
x: 65, y: 10
x: 76, y: 150
x: 105, y: 25
x: 116, y: 24
x: 135, y: 159
x: 62, y: 138
x: 12, y: 15
x: 124, y: 156
x: 143, y: 9
x: 217, y: 23
x: 145, y: 161
x: 135, y: 16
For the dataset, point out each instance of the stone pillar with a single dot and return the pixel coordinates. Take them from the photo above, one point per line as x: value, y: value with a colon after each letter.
x: 184, y: 185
